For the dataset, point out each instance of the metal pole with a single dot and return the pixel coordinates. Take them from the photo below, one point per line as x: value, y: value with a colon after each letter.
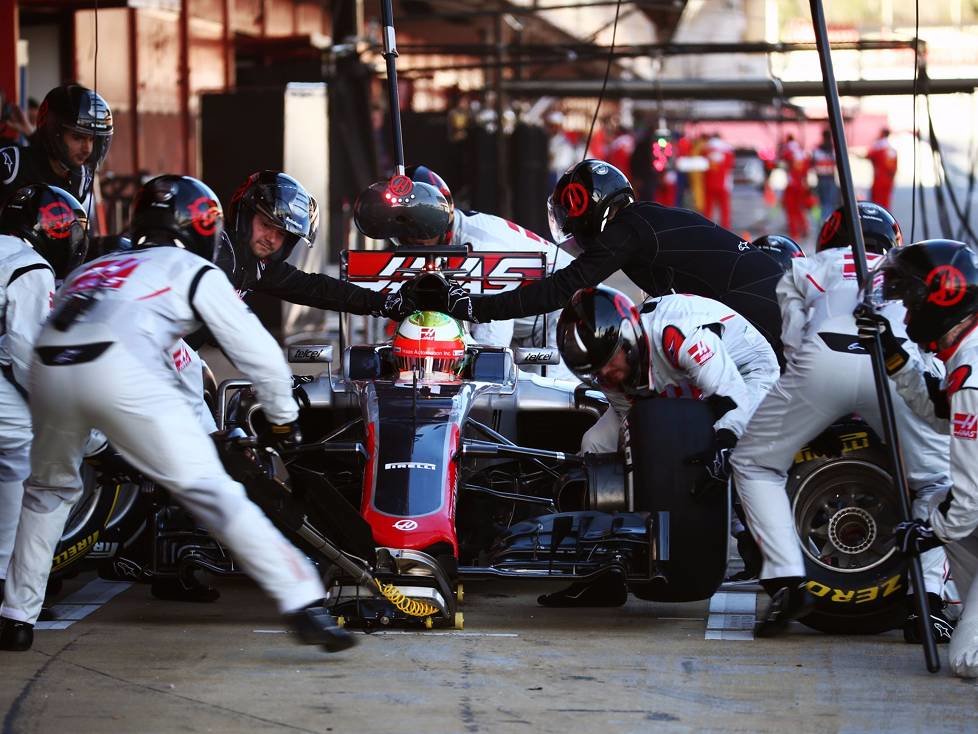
x: 390, y: 56
x: 876, y: 352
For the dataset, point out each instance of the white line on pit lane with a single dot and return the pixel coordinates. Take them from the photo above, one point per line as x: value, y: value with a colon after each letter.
x: 83, y: 602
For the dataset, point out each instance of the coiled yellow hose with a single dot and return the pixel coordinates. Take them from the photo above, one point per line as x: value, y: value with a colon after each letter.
x: 404, y: 603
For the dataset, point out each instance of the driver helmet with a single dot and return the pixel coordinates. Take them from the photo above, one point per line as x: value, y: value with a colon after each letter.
x: 596, y: 325
x: 881, y: 231
x: 781, y: 248
x: 431, y: 345
x: 78, y: 109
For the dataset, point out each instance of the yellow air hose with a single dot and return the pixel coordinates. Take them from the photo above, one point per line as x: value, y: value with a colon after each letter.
x: 404, y: 603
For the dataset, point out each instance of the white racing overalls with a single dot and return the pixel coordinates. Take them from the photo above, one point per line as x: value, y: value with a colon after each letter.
x: 828, y: 376
x: 698, y: 348
x: 26, y: 292
x: 954, y: 514
x: 112, y: 369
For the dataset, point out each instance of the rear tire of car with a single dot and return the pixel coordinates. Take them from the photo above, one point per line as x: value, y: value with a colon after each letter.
x: 661, y: 435
x: 844, y: 510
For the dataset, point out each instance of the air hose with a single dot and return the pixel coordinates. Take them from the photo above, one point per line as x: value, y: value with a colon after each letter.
x: 404, y: 603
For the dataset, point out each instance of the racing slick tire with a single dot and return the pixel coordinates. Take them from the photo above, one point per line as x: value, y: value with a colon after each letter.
x: 844, y: 510
x: 661, y: 435
x: 86, y: 523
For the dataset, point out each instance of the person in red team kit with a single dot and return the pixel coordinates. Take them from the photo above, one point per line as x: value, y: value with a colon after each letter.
x: 796, y: 193
x: 883, y: 156
x: 720, y: 155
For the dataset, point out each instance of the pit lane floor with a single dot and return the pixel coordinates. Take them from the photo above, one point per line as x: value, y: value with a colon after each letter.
x: 141, y: 665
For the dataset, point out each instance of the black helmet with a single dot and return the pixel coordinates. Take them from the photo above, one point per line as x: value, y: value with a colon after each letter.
x: 423, y: 174
x: 402, y: 210
x: 596, y: 324
x: 937, y: 280
x: 881, y: 231
x: 79, y: 109
x: 781, y: 248
x: 283, y: 201
x: 183, y: 212
x: 584, y: 198
x: 52, y: 221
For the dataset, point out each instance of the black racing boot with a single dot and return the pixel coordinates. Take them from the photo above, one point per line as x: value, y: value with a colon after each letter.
x: 176, y: 588
x: 790, y: 601
x: 608, y: 590
x: 316, y: 626
x: 942, y: 626
x: 16, y: 636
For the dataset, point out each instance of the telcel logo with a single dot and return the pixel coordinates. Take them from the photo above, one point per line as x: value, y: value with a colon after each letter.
x: 406, y: 525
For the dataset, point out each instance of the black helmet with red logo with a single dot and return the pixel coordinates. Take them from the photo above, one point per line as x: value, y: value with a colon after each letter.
x: 399, y: 209
x: 52, y: 221
x: 283, y: 201
x: 423, y: 174
x: 182, y: 212
x: 597, y: 324
x: 781, y: 248
x: 937, y: 280
x: 72, y: 107
x: 881, y: 231
x: 585, y: 198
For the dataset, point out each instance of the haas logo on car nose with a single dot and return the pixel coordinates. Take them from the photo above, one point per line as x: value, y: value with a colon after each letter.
x: 406, y: 525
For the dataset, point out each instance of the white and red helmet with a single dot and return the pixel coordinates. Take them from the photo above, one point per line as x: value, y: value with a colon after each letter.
x: 430, y: 344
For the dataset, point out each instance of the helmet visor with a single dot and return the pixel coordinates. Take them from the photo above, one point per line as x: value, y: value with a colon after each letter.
x: 557, y: 215
x: 288, y: 210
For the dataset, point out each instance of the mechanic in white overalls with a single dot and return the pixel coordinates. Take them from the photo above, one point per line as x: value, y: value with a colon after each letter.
x: 828, y: 377
x: 681, y: 346
x: 937, y: 281
x: 94, y: 360
x: 42, y: 237
x: 489, y: 233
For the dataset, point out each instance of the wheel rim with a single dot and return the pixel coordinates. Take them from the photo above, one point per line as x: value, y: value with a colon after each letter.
x: 844, y: 515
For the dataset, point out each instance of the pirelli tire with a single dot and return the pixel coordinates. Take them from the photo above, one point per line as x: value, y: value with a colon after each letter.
x: 661, y: 435
x: 86, y: 524
x: 844, y: 510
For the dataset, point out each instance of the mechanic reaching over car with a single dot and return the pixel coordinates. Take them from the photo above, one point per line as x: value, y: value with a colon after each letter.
x: 661, y: 249
x: 376, y: 217
x: 678, y: 346
x: 937, y: 283
x: 74, y: 131
x: 95, y: 357
x: 828, y: 377
x: 42, y: 238
x: 269, y: 215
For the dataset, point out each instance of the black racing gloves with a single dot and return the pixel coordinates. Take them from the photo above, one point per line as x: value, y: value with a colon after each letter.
x: 428, y: 294
x: 717, y: 462
x: 915, y: 537
x: 871, y: 323
x: 397, y: 306
x: 459, y: 302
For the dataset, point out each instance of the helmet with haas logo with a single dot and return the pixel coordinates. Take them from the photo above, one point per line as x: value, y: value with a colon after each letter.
x: 601, y: 339
x: 405, y: 211
x: 781, y: 248
x: 585, y: 199
x: 881, y: 231
x: 76, y: 109
x: 181, y: 211
x: 285, y: 204
x: 52, y: 221
x: 423, y: 174
x: 937, y: 280
x: 430, y: 345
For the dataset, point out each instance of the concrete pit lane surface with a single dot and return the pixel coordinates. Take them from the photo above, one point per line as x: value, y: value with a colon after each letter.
x: 136, y: 664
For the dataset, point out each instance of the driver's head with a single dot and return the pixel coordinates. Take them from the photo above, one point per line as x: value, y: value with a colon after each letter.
x: 601, y: 340
x: 405, y: 211
x: 429, y: 345
x: 585, y: 199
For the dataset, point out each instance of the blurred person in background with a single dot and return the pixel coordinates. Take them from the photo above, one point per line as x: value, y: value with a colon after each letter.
x: 823, y: 158
x: 718, y: 179
x: 796, y: 194
x: 883, y: 156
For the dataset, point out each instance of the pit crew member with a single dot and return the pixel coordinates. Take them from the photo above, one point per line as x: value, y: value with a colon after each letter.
x: 111, y: 322
x: 937, y: 282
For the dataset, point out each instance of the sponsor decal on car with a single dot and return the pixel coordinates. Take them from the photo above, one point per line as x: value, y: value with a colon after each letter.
x: 406, y: 525
x: 856, y: 596
x: 478, y: 272
x: 410, y: 465
x: 965, y: 426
